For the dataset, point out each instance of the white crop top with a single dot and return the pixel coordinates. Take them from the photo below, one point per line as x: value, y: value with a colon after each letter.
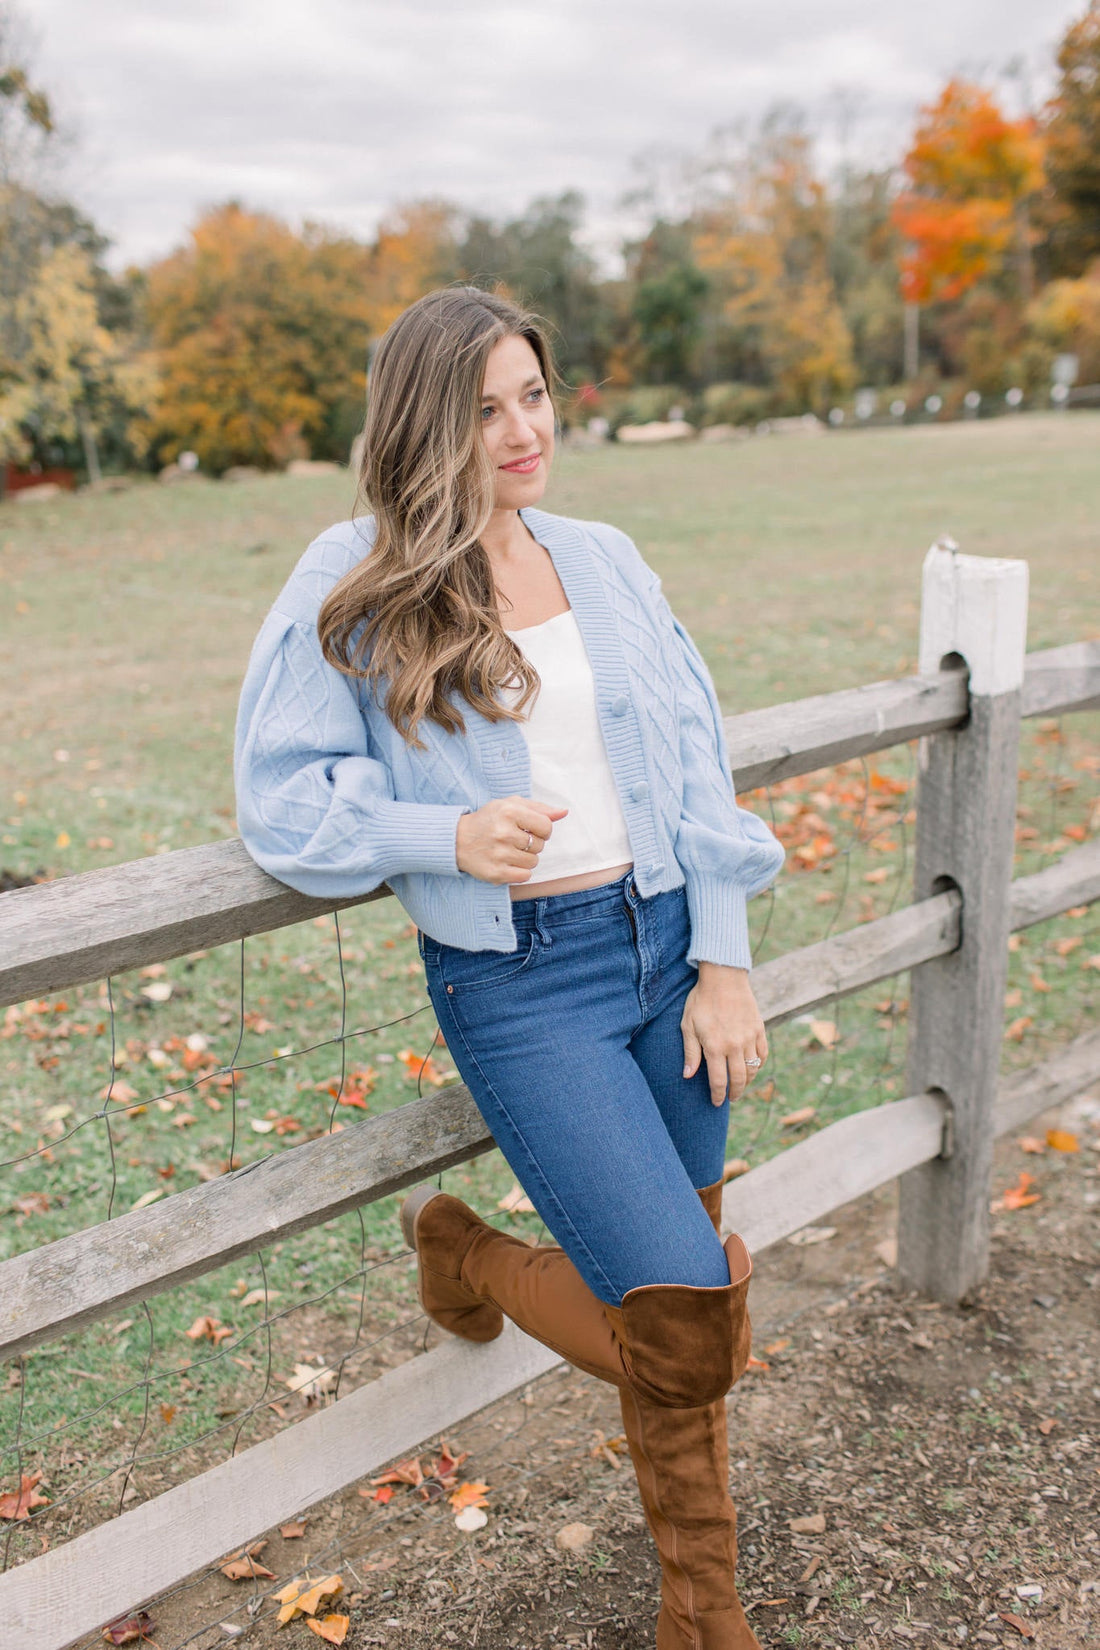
x: 569, y: 765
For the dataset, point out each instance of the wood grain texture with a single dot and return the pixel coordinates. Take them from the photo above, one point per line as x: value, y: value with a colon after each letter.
x: 840, y: 1162
x: 965, y: 838
x: 1060, y: 679
x: 1027, y: 1094
x: 1072, y: 880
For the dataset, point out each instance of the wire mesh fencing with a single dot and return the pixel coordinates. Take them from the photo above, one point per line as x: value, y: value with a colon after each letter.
x: 123, y: 1093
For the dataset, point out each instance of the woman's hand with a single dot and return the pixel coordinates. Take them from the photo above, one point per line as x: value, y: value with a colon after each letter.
x: 491, y: 843
x: 722, y: 1023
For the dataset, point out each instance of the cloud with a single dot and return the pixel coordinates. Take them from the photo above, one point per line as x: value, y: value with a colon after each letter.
x: 336, y: 109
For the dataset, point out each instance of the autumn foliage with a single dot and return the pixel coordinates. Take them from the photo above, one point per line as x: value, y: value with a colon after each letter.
x: 969, y: 171
x: 262, y: 338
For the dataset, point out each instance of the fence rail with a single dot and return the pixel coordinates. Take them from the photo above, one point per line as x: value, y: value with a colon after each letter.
x: 65, y: 1285
x: 82, y: 928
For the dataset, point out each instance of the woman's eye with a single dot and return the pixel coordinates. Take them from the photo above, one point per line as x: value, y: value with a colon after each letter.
x: 486, y: 413
x: 537, y: 395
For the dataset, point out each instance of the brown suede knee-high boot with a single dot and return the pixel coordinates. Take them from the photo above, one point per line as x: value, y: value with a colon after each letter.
x: 681, y: 1458
x: 675, y: 1345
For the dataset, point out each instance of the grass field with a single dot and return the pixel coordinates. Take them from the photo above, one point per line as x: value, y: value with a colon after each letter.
x: 127, y: 621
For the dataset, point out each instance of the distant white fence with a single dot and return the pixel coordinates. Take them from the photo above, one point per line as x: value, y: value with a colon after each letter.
x: 965, y: 706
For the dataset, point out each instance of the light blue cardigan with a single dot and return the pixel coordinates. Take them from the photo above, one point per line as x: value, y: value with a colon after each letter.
x: 333, y: 801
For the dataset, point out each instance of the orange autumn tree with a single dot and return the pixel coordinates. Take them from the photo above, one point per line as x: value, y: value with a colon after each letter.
x: 261, y: 335
x: 971, y: 172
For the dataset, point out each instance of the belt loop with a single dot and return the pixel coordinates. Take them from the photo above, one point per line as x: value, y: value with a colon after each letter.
x: 541, y: 926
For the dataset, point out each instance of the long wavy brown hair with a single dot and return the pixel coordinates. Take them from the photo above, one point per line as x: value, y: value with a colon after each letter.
x: 420, y: 609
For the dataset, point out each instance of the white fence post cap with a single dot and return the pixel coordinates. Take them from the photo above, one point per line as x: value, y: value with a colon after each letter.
x: 975, y: 606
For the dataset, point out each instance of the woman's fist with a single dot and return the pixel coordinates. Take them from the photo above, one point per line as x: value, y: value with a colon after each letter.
x: 491, y: 843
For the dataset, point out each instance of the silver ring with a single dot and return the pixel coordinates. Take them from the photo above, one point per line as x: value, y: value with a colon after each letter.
x: 753, y: 1062
x: 530, y: 839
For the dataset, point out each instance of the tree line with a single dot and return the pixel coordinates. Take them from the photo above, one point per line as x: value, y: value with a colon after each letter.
x: 765, y: 288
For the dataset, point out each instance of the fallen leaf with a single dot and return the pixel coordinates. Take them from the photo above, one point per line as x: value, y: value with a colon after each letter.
x: 1029, y: 1143
x: 17, y: 1504
x: 471, y: 1519
x: 292, y: 1532
x: 1060, y: 1140
x: 243, y: 1565
x: 158, y: 992
x: 804, y: 1114
x: 208, y: 1329
x: 259, y: 1297
x: 469, y: 1495
x: 1016, y: 1030
x: 876, y: 876
x: 516, y: 1202
x: 382, y: 1495
x: 118, y: 1092
x: 417, y: 1068
x: 168, y: 1413
x: 1070, y: 943
x: 735, y: 1167
x: 1047, y: 1427
x: 1018, y: 1196
x: 811, y: 1524
x: 32, y: 1203
x: 405, y: 1472
x: 310, y: 1602
x: 333, y: 1629
x: 574, y: 1538
x: 448, y: 1462
x: 824, y: 1032
x: 311, y: 1381
x: 129, y: 1629
x: 149, y: 1197
x: 1024, y: 1629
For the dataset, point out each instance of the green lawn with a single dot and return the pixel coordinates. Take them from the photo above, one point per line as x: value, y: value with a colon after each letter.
x: 126, y: 623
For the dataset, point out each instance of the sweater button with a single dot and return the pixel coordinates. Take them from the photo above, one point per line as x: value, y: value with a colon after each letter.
x: 640, y: 791
x: 619, y: 705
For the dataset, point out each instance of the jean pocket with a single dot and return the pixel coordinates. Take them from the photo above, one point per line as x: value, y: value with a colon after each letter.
x: 465, y: 971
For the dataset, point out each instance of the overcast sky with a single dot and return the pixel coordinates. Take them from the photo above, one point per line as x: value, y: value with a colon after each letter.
x: 337, y: 109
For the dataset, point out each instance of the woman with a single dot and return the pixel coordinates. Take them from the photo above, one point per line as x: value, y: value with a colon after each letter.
x: 494, y: 710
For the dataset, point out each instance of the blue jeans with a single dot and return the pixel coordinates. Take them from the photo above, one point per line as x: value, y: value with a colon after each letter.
x: 571, y: 1047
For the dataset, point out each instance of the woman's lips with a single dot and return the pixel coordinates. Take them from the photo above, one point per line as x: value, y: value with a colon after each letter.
x: 523, y: 466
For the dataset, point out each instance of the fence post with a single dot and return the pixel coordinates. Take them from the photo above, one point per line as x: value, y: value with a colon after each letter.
x: 973, y: 613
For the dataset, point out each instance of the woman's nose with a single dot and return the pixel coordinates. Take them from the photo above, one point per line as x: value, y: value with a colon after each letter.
x: 519, y: 429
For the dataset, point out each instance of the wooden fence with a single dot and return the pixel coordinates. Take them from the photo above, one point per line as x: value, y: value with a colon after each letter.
x: 975, y: 683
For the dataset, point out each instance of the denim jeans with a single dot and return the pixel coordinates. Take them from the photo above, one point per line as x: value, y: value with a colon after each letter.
x: 571, y: 1047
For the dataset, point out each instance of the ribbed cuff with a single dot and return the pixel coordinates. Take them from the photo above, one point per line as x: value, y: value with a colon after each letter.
x: 719, y: 922
x: 417, y: 836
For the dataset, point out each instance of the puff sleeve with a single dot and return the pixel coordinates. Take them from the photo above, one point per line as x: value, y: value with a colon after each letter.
x: 315, y: 806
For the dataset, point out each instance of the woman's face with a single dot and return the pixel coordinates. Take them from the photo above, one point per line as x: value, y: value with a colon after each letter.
x: 517, y: 423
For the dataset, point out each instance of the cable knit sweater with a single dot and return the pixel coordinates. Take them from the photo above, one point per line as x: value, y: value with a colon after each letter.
x: 333, y: 801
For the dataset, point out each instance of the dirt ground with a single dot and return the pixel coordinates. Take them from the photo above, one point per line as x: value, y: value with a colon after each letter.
x: 951, y: 1453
